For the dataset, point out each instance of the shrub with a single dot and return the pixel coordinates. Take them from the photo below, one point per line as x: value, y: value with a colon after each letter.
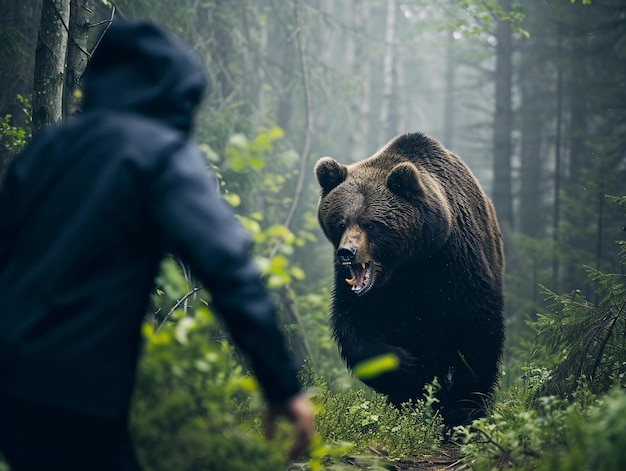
x: 195, y: 408
x: 367, y: 421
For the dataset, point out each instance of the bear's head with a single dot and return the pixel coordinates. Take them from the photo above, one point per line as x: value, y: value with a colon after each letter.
x: 380, y: 214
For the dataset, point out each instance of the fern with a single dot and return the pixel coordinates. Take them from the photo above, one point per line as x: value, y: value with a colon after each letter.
x: 587, y: 338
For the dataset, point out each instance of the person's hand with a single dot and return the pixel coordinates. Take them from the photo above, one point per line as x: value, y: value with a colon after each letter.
x: 299, y: 411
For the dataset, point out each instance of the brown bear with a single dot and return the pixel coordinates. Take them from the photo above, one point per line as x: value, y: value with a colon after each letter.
x: 418, y: 272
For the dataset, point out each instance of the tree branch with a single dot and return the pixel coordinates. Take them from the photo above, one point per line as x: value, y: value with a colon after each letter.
x: 180, y: 302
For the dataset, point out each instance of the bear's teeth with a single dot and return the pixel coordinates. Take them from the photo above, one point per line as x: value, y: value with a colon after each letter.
x: 351, y: 281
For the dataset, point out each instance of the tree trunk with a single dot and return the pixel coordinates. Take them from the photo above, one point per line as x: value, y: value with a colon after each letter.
x: 81, y: 13
x: 556, y: 211
x: 20, y: 21
x: 388, y: 63
x: 502, y: 147
x: 531, y: 174
x: 448, y: 112
x: 399, y: 104
x: 361, y: 69
x: 50, y: 63
x: 532, y: 89
x: 261, y: 64
x: 580, y: 57
x: 284, y: 106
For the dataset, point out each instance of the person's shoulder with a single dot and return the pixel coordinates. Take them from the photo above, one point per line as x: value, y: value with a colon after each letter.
x: 136, y: 134
x: 132, y: 126
x: 128, y: 139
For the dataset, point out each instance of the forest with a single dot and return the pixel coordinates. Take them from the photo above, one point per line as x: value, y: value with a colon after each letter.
x: 530, y: 94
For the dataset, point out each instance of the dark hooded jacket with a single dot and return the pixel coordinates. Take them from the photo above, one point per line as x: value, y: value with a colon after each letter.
x: 88, y: 211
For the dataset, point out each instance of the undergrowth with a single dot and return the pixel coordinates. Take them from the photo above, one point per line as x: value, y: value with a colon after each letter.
x: 551, y: 434
x: 369, y: 423
x: 569, y: 412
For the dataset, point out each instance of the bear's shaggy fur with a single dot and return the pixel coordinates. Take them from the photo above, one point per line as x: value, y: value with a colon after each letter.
x: 418, y: 273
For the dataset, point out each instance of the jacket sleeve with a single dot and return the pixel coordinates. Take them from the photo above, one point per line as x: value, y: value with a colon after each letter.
x: 201, y: 229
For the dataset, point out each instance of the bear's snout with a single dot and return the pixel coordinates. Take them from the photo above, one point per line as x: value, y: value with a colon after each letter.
x: 346, y: 254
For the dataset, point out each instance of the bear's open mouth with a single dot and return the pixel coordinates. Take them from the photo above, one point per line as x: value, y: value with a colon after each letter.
x: 362, y: 277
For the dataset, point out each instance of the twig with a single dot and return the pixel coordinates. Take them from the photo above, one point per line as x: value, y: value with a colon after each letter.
x: 177, y: 305
x: 110, y: 21
x: 606, y: 339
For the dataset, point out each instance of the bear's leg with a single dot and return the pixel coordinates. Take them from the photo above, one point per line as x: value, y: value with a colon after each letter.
x: 399, y: 385
x: 469, y: 388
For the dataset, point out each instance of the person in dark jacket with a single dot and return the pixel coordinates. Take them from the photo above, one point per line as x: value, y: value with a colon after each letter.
x: 86, y: 214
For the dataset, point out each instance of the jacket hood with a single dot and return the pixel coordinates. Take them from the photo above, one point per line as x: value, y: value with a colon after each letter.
x: 141, y: 68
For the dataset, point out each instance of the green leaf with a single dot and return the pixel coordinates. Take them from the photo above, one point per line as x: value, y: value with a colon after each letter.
x: 238, y: 140
x: 233, y: 199
x: 375, y: 366
x: 298, y: 273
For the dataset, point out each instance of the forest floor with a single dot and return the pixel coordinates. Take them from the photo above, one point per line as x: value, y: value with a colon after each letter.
x: 447, y: 458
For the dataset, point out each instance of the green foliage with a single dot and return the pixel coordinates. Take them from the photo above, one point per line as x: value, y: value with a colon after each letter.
x: 517, y: 433
x: 513, y: 435
x: 259, y: 177
x: 586, y: 338
x: 551, y: 434
x: 261, y: 172
x: 374, y: 367
x: 243, y: 154
x: 483, y: 14
x: 593, y: 440
x: 620, y: 201
x: 529, y: 264
x: 12, y: 41
x: 569, y: 413
x: 13, y: 138
x: 367, y: 421
x: 195, y: 406
x: 324, y: 355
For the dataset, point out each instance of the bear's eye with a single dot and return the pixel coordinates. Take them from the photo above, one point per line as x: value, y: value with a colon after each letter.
x: 371, y: 226
x: 337, y: 230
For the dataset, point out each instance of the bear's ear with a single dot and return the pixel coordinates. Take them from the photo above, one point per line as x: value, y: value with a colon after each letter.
x: 330, y: 173
x: 404, y: 180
